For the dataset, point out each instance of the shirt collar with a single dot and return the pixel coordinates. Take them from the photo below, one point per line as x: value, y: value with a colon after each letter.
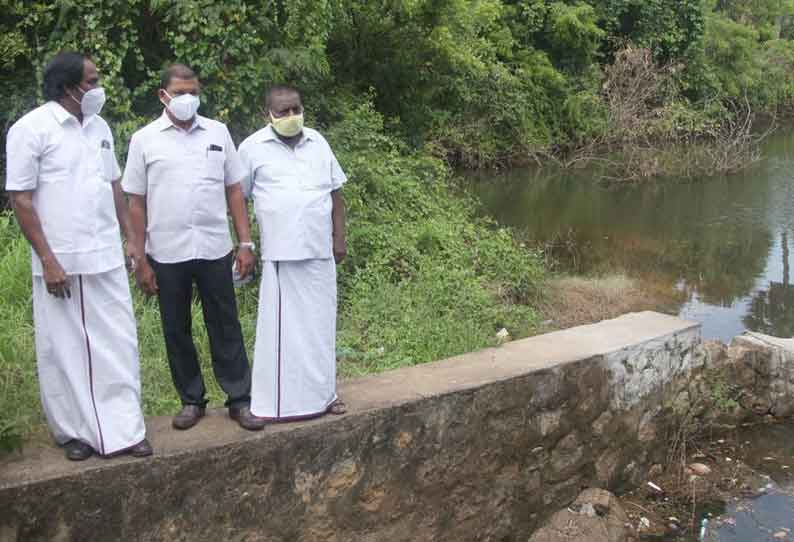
x: 62, y: 115
x: 164, y: 122
x: 268, y: 134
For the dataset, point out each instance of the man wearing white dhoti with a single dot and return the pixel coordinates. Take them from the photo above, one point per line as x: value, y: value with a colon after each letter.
x: 63, y: 181
x: 296, y: 183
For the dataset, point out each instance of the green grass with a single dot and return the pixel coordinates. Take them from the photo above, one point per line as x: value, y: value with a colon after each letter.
x: 19, y: 396
x: 159, y: 396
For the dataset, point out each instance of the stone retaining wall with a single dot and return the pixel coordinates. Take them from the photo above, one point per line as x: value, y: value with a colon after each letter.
x: 478, y: 447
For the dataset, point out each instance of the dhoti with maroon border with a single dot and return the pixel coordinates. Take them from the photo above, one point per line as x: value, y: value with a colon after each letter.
x: 87, y: 356
x: 294, y: 371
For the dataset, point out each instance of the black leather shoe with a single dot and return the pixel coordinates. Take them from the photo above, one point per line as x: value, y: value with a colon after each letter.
x: 243, y: 416
x: 188, y: 417
x: 142, y: 449
x: 77, y: 450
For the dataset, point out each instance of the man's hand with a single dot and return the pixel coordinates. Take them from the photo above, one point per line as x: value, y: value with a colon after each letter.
x: 338, y: 213
x: 245, y: 262
x: 144, y: 276
x: 131, y: 260
x: 340, y: 249
x: 56, y: 280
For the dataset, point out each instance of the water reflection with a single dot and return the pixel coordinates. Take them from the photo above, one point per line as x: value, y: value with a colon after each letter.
x: 772, y: 310
x: 724, y: 242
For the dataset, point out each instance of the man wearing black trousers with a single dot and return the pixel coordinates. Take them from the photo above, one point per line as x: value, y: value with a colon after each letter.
x: 182, y: 174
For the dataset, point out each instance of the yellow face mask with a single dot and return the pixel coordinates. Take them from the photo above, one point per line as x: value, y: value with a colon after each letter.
x: 288, y: 126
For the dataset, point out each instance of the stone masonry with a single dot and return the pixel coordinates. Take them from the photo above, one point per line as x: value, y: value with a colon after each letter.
x: 482, y: 446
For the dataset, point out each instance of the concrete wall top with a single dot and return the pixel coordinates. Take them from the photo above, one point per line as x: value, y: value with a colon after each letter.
x: 389, y: 389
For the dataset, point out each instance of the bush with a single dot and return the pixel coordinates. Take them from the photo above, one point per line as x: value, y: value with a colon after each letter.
x: 424, y: 278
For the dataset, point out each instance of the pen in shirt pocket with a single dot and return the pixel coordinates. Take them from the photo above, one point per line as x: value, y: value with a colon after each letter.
x: 214, y: 147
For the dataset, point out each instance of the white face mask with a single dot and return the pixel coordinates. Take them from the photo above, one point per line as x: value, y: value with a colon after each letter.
x: 92, y: 101
x: 184, y: 106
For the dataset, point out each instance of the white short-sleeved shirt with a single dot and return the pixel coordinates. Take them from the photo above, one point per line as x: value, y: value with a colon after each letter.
x: 184, y: 175
x: 70, y: 168
x: 292, y: 193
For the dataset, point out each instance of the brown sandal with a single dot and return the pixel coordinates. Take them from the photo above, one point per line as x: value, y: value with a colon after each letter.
x: 337, y: 408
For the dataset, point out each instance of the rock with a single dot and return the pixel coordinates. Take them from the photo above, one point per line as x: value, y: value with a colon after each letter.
x: 607, y: 466
x: 602, y: 423
x: 699, y: 469
x: 549, y: 422
x: 595, y: 516
x: 588, y: 509
x: 567, y: 454
x: 716, y: 353
x: 648, y: 431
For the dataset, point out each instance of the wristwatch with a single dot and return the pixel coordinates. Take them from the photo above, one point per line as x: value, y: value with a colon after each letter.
x: 249, y: 245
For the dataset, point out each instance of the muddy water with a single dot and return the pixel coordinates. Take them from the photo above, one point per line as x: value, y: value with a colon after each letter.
x: 724, y: 243
x: 770, y: 450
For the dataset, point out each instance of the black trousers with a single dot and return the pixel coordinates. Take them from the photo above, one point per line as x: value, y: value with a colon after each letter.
x: 213, y: 279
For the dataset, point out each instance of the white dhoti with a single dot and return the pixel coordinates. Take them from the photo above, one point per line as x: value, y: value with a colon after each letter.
x: 294, y: 371
x: 87, y: 356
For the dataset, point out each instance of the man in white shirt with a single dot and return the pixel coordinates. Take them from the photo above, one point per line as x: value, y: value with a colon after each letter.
x: 296, y: 183
x: 182, y: 173
x: 63, y: 180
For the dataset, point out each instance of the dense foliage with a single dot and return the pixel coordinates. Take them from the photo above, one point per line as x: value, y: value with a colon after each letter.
x: 477, y: 81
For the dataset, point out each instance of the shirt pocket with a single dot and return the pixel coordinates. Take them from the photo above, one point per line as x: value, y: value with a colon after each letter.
x: 215, y: 165
x: 317, y: 175
x: 108, y: 163
x: 271, y: 172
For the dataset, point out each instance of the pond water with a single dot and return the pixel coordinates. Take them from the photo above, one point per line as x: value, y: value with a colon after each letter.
x: 724, y: 242
x: 770, y: 451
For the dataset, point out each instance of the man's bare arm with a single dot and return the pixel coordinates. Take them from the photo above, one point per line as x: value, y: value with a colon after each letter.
x: 122, y: 212
x: 123, y: 216
x: 338, y: 217
x: 236, y: 202
x: 144, y: 274
x: 239, y: 212
x: 29, y: 222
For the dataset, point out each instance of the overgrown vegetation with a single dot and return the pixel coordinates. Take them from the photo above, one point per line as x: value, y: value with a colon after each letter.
x: 477, y: 82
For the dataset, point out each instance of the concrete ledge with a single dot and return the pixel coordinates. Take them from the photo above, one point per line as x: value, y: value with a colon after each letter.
x: 764, y: 368
x: 469, y: 448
